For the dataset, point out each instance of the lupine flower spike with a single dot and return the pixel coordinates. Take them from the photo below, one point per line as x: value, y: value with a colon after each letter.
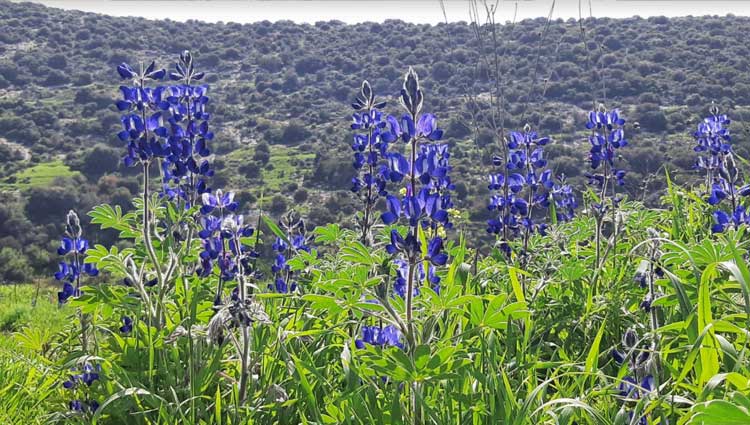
x: 724, y: 181
x: 73, y: 250
x: 370, y: 145
x: 524, y: 186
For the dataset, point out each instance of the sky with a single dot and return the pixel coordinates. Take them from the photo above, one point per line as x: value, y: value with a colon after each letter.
x: 418, y: 11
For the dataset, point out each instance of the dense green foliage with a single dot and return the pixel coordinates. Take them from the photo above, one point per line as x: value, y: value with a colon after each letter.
x: 492, y: 353
x: 284, y: 89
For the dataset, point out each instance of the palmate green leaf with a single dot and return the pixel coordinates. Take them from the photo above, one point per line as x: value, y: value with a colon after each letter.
x: 109, y: 217
x: 110, y: 260
x: 323, y: 302
x: 329, y: 234
x: 357, y: 253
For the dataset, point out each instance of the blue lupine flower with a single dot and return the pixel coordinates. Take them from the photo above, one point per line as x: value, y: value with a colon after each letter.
x: 89, y: 406
x: 222, y: 240
x: 630, y: 387
x: 127, y: 325
x: 88, y: 375
x: 722, y: 177
x: 426, y: 197
x: 530, y: 186
x: 143, y: 122
x: 723, y: 220
x: 221, y: 201
x: 370, y: 146
x: 712, y: 137
x: 169, y: 123
x: 388, y: 336
x: 73, y: 248
x: 184, y: 70
x: 607, y: 135
x: 407, y: 245
x: 434, y: 252
x: 284, y: 277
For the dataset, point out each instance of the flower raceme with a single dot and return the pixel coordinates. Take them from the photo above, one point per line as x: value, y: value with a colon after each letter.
x: 222, y: 232
x: 73, y: 249
x: 712, y: 137
x: 723, y: 178
x: 608, y: 123
x: 525, y: 185
x: 297, y: 240
x: 388, y: 336
x: 425, y: 200
x: 370, y: 146
x: 168, y: 122
x: 143, y: 119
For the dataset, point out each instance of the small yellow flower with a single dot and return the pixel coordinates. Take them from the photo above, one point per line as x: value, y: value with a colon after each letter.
x: 454, y: 212
x: 402, y: 191
x: 441, y: 232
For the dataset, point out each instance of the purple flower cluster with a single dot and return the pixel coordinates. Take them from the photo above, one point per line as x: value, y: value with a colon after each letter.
x: 606, y: 138
x: 370, y: 146
x: 526, y: 184
x: 607, y: 135
x: 426, y: 199
x: 724, y: 181
x: 221, y: 233
x: 712, y: 137
x: 402, y: 272
x: 83, y: 379
x: 73, y: 248
x: 168, y: 122
x: 379, y: 336
x: 284, y: 279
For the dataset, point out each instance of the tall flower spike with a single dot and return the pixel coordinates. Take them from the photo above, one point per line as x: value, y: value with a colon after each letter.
x: 524, y: 186
x: 143, y: 120
x: 424, y: 200
x: 186, y: 168
x: 607, y: 136
x: 73, y: 250
x: 724, y: 181
x: 221, y: 233
x: 370, y: 145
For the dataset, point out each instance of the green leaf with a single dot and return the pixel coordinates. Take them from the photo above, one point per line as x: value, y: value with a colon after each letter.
x: 709, y: 348
x: 330, y: 234
x: 275, y: 229
x: 516, y: 284
x: 719, y: 412
x: 357, y: 253
x: 592, y: 358
x: 217, y: 406
x: 126, y: 393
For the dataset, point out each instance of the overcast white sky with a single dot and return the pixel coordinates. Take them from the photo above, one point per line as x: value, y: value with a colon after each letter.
x: 420, y: 11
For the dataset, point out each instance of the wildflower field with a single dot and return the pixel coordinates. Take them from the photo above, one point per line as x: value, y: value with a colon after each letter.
x: 586, y: 307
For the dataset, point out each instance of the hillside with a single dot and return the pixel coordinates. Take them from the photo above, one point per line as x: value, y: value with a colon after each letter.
x: 280, y: 101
